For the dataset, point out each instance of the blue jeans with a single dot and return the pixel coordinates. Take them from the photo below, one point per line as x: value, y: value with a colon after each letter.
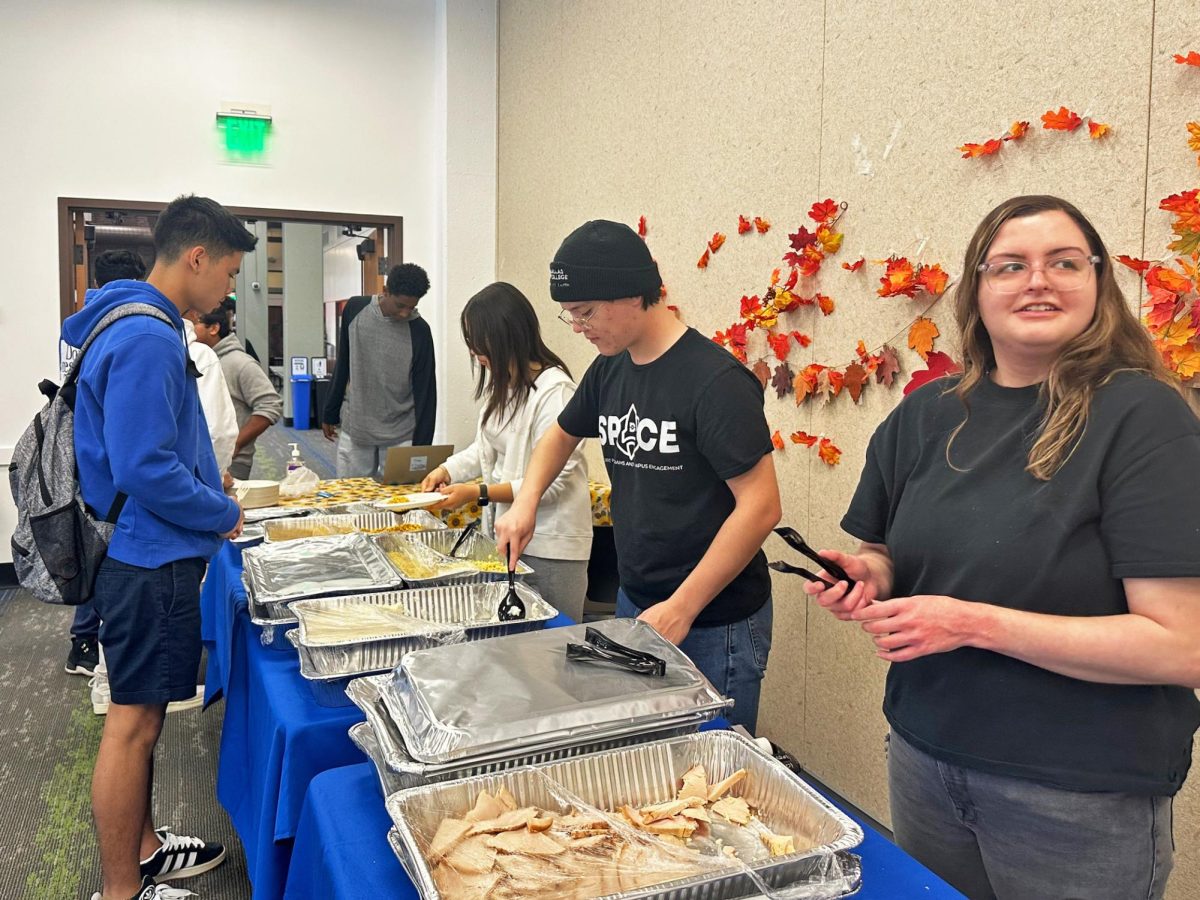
x: 733, y: 657
x: 994, y: 836
x: 86, y: 626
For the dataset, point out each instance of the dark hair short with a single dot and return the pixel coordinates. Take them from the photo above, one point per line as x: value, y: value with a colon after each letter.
x: 191, y: 221
x: 218, y: 317
x: 112, y: 265
x: 407, y: 280
x: 649, y: 300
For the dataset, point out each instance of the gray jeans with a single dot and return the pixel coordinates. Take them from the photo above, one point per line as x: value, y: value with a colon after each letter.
x: 992, y: 836
x: 355, y: 460
x: 562, y: 582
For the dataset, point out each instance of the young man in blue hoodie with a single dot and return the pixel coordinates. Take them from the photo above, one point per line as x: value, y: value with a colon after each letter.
x: 141, y: 442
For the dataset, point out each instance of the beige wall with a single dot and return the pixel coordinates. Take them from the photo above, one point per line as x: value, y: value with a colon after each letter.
x: 692, y: 112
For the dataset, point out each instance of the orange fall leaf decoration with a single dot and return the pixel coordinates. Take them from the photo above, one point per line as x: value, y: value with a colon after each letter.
x: 830, y: 454
x: 1138, y: 265
x: 921, y: 336
x: 1016, y: 131
x: 641, y: 226
x: 1192, y: 59
x: 761, y: 225
x: 854, y: 266
x: 702, y: 263
x: 824, y: 212
x: 1194, y: 138
x: 1097, y: 130
x: 1063, y: 120
x: 777, y: 440
x: 716, y: 241
x: 744, y: 225
x: 801, y: 437
x: 987, y: 148
x: 826, y: 304
x: 898, y: 278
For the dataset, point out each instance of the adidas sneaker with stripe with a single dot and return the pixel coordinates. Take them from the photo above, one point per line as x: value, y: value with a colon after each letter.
x: 181, y: 856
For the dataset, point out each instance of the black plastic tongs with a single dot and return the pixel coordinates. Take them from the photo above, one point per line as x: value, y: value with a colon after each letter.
x: 797, y: 543
x: 600, y: 648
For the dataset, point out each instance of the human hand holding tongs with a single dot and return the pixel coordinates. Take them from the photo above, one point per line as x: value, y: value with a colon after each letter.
x: 797, y: 543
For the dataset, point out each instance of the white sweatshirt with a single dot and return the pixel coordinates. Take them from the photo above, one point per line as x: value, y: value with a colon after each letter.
x: 219, y: 413
x: 501, y: 454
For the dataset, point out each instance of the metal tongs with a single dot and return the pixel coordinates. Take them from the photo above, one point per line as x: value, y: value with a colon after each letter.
x: 797, y: 543
x: 600, y: 648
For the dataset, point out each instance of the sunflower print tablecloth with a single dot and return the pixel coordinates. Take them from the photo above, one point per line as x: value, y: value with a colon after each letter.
x: 364, y: 490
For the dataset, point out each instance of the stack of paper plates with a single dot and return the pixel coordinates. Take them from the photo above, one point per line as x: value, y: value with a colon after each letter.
x: 256, y: 494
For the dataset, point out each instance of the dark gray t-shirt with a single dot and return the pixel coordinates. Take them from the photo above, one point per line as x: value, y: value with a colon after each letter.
x: 379, y: 407
x: 1125, y: 505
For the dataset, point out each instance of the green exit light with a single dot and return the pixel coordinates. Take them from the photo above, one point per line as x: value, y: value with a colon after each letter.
x: 246, y: 137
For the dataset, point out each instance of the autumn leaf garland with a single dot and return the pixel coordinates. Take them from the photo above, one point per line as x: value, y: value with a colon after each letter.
x: 1062, y: 120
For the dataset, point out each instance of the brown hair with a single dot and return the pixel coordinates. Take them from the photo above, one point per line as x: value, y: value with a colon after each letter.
x: 500, y: 323
x: 1112, y: 342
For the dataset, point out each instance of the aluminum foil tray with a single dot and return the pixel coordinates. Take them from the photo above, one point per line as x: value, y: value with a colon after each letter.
x: 477, y: 548
x: 363, y: 736
x: 321, y: 566
x: 519, y: 693
x: 407, y: 551
x: 280, y: 530
x: 651, y: 773
x: 406, y: 772
x: 275, y: 512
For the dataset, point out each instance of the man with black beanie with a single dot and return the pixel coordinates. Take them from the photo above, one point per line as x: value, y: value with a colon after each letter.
x: 688, y: 450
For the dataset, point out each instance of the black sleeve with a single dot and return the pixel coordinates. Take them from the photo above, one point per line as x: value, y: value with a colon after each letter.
x: 424, y: 382
x: 731, y: 429
x: 341, y: 370
x: 1150, y: 492
x: 581, y: 416
x: 870, y: 509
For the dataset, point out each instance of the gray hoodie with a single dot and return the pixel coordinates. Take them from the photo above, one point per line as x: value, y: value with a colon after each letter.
x: 252, y: 392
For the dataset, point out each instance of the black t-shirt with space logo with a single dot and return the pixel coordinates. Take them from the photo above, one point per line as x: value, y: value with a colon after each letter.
x: 673, y: 432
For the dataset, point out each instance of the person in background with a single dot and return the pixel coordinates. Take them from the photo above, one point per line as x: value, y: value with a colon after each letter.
x: 257, y: 403
x: 686, y: 444
x: 1029, y: 569
x: 220, y: 416
x: 142, y: 449
x: 525, y: 388
x: 84, y: 655
x: 384, y: 391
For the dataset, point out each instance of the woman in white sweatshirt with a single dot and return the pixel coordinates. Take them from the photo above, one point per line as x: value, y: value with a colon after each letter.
x: 524, y: 386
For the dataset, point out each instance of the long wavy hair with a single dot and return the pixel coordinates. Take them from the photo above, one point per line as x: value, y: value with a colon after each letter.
x: 500, y: 323
x: 1114, y: 341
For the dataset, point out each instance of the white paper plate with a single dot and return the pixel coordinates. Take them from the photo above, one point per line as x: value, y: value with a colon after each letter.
x: 412, y: 501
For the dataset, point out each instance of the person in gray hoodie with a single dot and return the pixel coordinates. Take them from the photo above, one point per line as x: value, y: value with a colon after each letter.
x: 255, y: 400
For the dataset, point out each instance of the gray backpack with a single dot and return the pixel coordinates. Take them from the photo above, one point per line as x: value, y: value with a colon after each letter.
x: 60, y: 541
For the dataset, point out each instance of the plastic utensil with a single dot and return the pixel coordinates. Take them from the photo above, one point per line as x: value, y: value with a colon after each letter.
x: 512, y: 607
x: 467, y: 532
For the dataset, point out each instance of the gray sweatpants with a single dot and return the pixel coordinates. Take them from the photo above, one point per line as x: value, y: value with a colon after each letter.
x: 561, y: 582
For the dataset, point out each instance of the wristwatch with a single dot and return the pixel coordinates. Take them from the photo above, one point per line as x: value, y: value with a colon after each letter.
x: 483, y: 494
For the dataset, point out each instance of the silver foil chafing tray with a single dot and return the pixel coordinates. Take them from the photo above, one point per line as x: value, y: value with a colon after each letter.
x: 431, y: 549
x: 320, y: 566
x: 517, y: 693
x: 363, y: 736
x: 435, y: 617
x: 407, y: 772
x: 275, y: 512
x: 281, y: 530
x: 651, y: 773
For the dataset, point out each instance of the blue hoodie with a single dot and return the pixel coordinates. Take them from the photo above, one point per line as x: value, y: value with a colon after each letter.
x: 139, y: 429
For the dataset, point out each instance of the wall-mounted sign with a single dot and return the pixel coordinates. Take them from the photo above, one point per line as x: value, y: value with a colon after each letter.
x: 299, y: 365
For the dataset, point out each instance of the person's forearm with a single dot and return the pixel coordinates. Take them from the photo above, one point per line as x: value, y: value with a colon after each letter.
x: 254, y: 427
x: 1122, y: 649
x: 500, y: 493
x: 736, y: 542
x: 548, y: 459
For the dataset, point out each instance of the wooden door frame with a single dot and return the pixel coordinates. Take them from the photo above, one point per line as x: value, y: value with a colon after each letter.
x: 392, y: 227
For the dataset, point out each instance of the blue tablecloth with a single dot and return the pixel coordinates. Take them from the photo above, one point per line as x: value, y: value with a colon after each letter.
x: 275, y: 738
x: 342, y: 852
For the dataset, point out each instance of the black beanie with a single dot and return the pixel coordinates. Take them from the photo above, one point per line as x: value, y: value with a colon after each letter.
x: 602, y: 260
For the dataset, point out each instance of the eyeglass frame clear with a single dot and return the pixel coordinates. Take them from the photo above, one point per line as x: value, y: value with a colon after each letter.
x: 984, y: 269
x: 583, y: 322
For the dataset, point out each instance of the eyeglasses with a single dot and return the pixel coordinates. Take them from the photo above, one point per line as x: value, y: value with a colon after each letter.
x: 1068, y: 273
x: 582, y: 321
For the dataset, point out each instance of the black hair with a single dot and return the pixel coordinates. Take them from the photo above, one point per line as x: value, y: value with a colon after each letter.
x: 112, y: 265
x: 190, y: 221
x: 218, y: 317
x: 499, y: 322
x: 649, y: 300
x: 407, y: 280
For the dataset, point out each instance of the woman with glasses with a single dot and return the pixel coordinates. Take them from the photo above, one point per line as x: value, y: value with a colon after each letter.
x: 524, y: 386
x: 1030, y: 567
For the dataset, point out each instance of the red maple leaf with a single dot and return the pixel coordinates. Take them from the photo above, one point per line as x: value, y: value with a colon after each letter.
x: 802, y: 339
x: 750, y: 305
x: 854, y: 266
x: 899, y: 278
x: 761, y: 225
x: 938, y: 364
x: 826, y: 304
x: 743, y: 225
x: 702, y: 263
x: 641, y: 226
x: 933, y: 279
x: 792, y: 279
x: 801, y: 239
x: 987, y: 148
x: 808, y: 261
x: 1063, y: 120
x: 781, y: 344
x: 715, y: 242
x: 824, y: 212
x: 1192, y: 59
x: 801, y: 437
x: 1138, y: 265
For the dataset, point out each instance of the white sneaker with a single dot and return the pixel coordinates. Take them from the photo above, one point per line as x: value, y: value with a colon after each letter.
x: 152, y: 891
x: 102, y: 697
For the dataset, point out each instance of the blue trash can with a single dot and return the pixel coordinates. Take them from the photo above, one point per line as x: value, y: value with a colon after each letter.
x: 301, y: 401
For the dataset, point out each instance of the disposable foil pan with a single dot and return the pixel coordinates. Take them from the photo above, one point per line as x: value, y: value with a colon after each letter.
x: 409, y: 551
x: 477, y: 548
x: 408, y: 772
x: 363, y: 736
x: 320, y: 566
x: 275, y: 512
x: 280, y: 530
x: 518, y: 693
x: 639, y: 776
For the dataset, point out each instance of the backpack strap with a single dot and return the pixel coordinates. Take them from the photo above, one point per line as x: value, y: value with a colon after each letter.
x: 113, y: 315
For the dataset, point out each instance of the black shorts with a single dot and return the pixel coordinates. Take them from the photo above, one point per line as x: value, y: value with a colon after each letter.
x: 150, y: 629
